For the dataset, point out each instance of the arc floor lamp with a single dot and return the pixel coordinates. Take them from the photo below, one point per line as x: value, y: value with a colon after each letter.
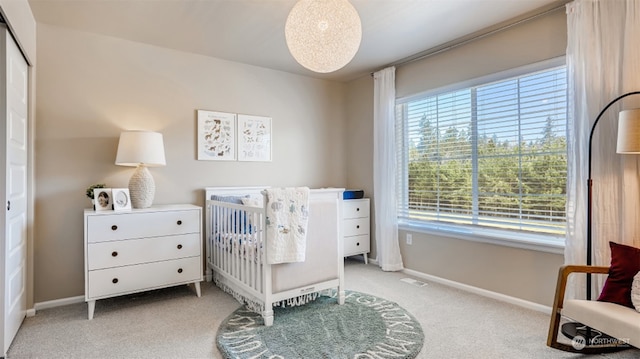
x: 628, y: 142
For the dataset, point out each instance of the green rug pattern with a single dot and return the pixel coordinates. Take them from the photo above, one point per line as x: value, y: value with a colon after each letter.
x: 364, y: 327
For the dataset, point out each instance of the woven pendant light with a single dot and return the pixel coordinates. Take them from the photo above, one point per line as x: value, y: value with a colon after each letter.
x: 323, y: 35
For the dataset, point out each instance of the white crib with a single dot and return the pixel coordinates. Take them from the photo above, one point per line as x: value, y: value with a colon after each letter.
x: 236, y: 250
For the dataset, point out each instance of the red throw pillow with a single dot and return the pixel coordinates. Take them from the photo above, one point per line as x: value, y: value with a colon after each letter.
x: 625, y: 263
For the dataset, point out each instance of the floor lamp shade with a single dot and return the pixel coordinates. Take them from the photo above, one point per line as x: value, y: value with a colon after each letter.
x: 629, y: 132
x: 141, y: 149
x: 323, y: 35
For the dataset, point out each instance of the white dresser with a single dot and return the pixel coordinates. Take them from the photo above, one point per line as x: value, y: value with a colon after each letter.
x: 144, y: 249
x: 355, y: 214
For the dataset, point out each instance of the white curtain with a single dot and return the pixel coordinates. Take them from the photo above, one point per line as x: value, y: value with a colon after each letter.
x: 603, y: 59
x: 384, y: 170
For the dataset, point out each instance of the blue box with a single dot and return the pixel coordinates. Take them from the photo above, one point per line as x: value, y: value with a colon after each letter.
x: 352, y: 194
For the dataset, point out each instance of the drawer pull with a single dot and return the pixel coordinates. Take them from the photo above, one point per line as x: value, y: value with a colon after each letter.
x: 179, y: 246
x: 114, y: 254
x: 179, y: 222
x: 114, y: 227
x: 114, y: 280
x: 357, y: 243
x: 358, y: 226
x: 358, y: 209
x: 179, y: 270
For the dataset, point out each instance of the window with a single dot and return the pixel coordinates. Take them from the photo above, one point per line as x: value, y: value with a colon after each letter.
x: 488, y: 156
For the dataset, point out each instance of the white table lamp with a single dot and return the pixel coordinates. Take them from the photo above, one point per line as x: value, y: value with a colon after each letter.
x: 141, y: 149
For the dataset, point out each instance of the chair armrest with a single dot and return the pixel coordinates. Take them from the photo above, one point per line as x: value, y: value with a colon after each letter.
x: 563, y: 275
x: 561, y: 284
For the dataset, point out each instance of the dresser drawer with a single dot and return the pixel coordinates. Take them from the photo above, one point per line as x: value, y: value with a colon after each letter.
x: 135, y: 251
x: 355, y: 208
x: 356, y: 245
x: 135, y: 278
x: 114, y: 227
x: 355, y: 227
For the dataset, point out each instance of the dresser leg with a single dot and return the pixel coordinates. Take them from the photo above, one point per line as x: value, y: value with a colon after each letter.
x: 92, y: 308
x: 365, y: 258
x: 197, y: 285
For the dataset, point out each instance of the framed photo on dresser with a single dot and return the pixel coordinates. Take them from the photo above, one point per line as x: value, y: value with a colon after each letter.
x: 121, y: 199
x: 103, y: 199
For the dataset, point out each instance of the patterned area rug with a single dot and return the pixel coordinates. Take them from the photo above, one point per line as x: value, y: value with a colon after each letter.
x: 364, y: 327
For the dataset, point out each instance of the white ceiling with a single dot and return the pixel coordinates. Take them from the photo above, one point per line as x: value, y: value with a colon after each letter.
x: 252, y: 31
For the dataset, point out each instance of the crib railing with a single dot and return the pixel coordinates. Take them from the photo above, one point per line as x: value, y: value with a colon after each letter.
x: 236, y: 245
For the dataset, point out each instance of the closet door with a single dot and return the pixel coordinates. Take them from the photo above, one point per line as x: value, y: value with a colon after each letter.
x: 14, y: 90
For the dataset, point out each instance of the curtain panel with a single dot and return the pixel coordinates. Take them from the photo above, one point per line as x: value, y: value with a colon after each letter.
x: 385, y: 170
x: 603, y: 60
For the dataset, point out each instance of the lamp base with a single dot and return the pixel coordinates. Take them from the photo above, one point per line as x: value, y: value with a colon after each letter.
x: 142, y: 188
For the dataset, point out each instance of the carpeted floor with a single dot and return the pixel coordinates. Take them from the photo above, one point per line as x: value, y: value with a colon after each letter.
x: 174, y: 323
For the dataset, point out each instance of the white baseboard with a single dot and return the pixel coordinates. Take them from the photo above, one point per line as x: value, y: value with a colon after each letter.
x: 467, y: 288
x: 56, y: 303
x: 483, y: 292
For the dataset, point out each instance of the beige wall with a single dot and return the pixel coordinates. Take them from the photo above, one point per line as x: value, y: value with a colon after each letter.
x: 535, y: 40
x: 525, y: 274
x: 359, y: 141
x: 91, y: 87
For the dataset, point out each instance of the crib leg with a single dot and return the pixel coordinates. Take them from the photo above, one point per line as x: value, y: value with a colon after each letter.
x: 267, y: 315
x: 340, y: 296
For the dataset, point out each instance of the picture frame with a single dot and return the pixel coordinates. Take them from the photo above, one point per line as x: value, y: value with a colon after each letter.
x: 216, y: 136
x: 254, y: 138
x: 103, y: 199
x: 121, y: 199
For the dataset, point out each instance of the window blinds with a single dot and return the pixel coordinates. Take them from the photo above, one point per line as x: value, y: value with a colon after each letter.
x: 489, y: 155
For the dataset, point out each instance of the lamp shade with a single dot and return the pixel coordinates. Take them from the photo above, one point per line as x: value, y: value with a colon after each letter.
x: 140, y: 147
x: 629, y: 131
x: 323, y: 35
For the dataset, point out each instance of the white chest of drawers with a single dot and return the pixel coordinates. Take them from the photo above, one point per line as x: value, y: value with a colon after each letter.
x: 355, y: 221
x: 144, y: 249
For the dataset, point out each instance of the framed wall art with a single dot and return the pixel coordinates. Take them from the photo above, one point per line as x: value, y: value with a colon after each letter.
x: 254, y: 138
x: 121, y: 199
x: 103, y: 199
x: 216, y: 136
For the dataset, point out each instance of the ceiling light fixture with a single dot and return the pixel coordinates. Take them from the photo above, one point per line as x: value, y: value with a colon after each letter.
x: 323, y: 35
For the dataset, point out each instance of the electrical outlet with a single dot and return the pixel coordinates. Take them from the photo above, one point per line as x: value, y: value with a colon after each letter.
x: 409, y: 239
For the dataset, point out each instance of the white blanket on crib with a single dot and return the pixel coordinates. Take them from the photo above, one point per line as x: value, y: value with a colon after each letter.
x: 287, y: 218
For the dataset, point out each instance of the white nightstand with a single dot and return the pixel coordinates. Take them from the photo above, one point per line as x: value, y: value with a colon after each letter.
x: 144, y: 249
x: 355, y: 221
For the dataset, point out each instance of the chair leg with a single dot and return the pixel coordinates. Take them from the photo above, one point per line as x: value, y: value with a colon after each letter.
x: 552, y: 338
